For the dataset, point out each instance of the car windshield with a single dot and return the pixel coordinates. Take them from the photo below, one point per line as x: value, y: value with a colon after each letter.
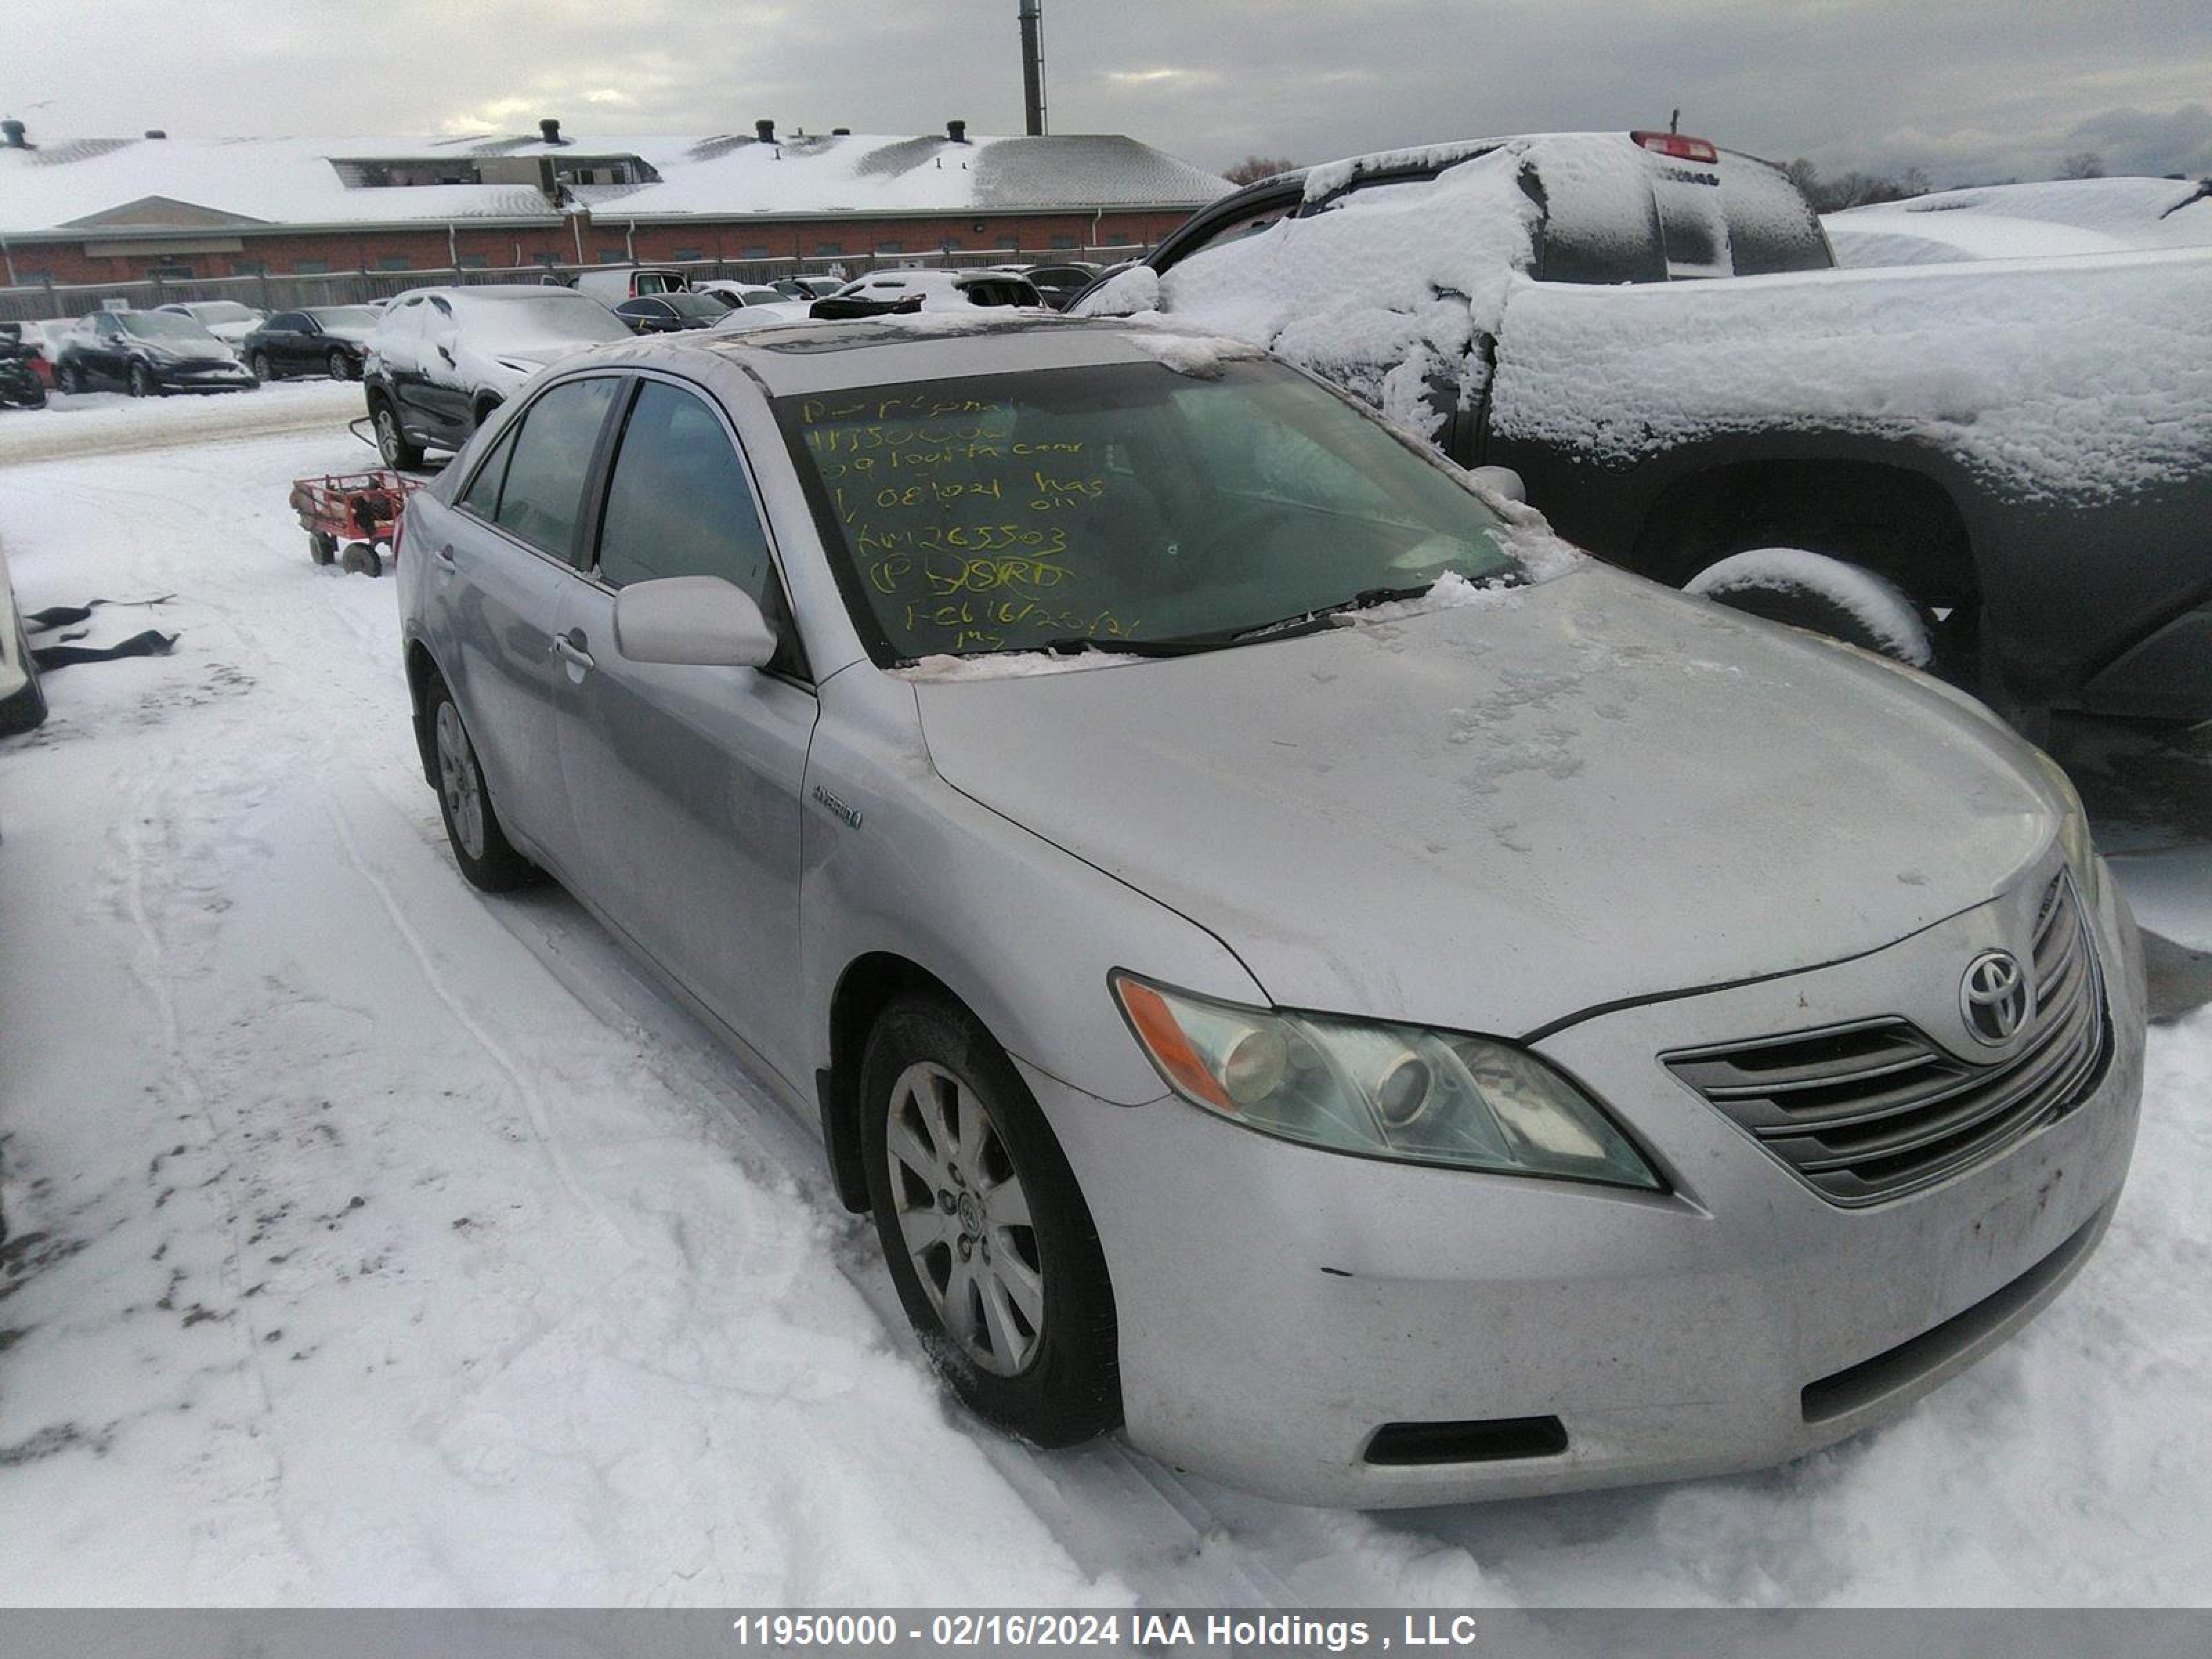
x: 165, y: 325
x: 688, y: 304
x: 225, y: 311
x: 561, y: 318
x: 1124, y: 506
x: 345, y: 319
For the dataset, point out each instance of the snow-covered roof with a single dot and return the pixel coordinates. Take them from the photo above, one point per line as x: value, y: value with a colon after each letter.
x: 2008, y: 221
x: 244, y: 183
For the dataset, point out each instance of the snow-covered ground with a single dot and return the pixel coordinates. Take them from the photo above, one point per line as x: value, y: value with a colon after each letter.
x: 376, y: 1242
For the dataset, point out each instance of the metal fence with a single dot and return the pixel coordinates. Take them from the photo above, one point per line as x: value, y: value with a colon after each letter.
x: 46, y: 301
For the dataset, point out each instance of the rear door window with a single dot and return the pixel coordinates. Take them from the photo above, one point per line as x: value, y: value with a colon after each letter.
x: 542, y: 494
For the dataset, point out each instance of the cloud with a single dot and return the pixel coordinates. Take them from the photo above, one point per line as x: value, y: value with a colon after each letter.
x: 1967, y: 88
x: 1159, y: 78
x: 2135, y: 141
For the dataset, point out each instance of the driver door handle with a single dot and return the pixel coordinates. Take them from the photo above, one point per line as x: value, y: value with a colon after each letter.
x: 569, y: 647
x: 444, y: 557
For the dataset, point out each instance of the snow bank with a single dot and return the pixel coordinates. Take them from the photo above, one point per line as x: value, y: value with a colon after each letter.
x: 108, y: 423
x: 399, y: 1247
x: 2065, y: 381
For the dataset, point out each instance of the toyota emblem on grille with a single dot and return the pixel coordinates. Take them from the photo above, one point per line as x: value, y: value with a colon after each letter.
x: 1994, y: 997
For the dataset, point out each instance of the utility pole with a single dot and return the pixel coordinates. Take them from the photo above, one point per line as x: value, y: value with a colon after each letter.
x: 1032, y: 12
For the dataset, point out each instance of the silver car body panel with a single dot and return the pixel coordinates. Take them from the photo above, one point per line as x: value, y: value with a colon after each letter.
x: 1615, y: 823
x: 1532, y: 767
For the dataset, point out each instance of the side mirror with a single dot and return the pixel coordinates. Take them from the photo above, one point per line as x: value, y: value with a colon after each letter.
x: 1500, y: 481
x: 698, y: 620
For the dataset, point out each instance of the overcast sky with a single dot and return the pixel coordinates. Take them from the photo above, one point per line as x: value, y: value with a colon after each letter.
x: 1969, y: 89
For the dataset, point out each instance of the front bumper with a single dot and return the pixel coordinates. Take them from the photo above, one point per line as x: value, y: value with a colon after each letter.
x: 190, y: 377
x: 1280, y: 1304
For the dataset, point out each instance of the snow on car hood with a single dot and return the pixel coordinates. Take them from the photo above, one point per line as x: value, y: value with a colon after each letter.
x: 1496, y: 817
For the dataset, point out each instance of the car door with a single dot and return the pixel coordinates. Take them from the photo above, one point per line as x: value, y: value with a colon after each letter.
x: 684, y: 782
x: 502, y: 579
x: 399, y: 345
x: 299, y: 341
x: 447, y: 399
x: 108, y: 351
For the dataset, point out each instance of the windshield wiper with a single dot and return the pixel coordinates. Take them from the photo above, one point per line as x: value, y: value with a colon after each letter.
x: 1070, y: 645
x: 1308, y: 621
x: 1184, y: 645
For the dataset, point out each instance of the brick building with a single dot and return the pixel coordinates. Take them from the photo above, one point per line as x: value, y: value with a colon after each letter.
x: 119, y: 210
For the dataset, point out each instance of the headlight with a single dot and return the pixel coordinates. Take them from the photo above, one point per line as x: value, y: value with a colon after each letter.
x: 1404, y: 1092
x: 2074, y: 837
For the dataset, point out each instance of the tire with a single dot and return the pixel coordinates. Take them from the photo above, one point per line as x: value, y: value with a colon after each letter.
x: 140, y: 383
x: 480, y: 845
x: 359, y: 559
x: 259, y: 363
x: 1050, y: 1376
x: 68, y: 378
x: 340, y: 367
x: 322, y: 547
x: 1824, y: 595
x: 391, y: 440
x: 25, y: 707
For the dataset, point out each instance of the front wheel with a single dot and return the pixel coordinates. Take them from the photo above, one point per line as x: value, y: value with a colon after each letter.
x: 1825, y: 595
x: 69, y: 378
x: 392, y: 442
x: 993, y: 1251
x: 340, y: 367
x: 480, y: 845
x: 261, y: 366
x: 141, y: 382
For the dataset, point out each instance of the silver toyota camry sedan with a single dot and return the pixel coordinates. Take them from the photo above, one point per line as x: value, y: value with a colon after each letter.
x: 1295, y: 960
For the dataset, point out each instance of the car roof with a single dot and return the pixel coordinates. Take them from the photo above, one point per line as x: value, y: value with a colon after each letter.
x: 794, y: 358
x: 493, y: 291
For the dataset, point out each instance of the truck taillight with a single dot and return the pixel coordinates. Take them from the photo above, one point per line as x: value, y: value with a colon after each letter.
x: 1674, y: 144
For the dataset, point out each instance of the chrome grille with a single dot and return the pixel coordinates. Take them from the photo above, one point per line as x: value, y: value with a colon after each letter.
x: 1868, y: 1111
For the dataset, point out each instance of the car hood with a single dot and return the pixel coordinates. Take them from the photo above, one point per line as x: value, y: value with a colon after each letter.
x: 1495, y: 818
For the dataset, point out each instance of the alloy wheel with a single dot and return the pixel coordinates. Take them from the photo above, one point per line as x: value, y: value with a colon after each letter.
x: 964, y: 1217
x: 456, y: 780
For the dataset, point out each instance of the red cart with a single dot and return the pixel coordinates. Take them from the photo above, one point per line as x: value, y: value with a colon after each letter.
x: 360, y: 509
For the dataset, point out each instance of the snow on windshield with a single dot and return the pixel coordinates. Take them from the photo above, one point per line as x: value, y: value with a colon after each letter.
x: 165, y: 326
x: 348, y: 322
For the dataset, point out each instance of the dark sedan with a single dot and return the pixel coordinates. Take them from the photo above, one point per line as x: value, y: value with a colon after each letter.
x: 147, y: 352
x: 1059, y: 283
x: 320, y: 340
x: 668, y: 314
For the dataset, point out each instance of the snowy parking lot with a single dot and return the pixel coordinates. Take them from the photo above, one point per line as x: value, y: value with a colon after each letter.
x: 375, y: 1243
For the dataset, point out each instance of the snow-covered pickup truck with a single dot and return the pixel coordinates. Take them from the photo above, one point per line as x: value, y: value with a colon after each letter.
x: 2001, y: 470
